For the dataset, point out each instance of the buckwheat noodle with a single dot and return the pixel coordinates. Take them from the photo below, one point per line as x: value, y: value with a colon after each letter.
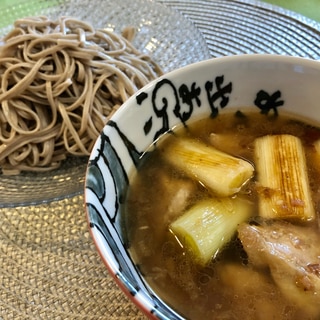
x: 60, y: 81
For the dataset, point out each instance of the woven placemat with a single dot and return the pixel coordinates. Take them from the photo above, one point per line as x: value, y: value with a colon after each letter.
x: 50, y: 268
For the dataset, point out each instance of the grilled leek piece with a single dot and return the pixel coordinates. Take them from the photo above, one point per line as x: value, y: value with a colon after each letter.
x: 284, y: 190
x: 218, y: 171
x: 205, y: 228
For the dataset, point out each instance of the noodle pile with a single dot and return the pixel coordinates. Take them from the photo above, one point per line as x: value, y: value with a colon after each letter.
x: 60, y: 81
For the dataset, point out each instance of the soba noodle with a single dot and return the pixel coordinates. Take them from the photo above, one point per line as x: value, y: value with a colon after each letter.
x: 60, y: 81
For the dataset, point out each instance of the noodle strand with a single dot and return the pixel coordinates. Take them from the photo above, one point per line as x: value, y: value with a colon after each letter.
x: 60, y: 82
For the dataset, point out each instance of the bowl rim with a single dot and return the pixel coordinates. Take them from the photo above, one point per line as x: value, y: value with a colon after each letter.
x: 255, y: 57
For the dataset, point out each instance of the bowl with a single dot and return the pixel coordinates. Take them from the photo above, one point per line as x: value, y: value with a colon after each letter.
x: 269, y: 84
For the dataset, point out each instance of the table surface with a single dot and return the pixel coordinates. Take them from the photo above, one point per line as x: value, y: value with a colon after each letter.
x: 309, y: 8
x: 50, y: 269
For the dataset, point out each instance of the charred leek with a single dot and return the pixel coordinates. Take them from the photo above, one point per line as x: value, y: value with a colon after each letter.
x: 206, y: 227
x: 284, y: 190
x: 218, y: 171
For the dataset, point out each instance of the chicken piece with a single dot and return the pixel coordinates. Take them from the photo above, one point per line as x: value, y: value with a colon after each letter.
x: 253, y: 289
x: 292, y: 254
x: 231, y: 142
x: 176, y: 193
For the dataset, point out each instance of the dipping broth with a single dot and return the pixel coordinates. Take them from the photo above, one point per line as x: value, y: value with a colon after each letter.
x: 231, y: 285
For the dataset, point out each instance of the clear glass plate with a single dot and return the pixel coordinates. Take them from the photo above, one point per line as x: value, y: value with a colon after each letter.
x: 170, y: 39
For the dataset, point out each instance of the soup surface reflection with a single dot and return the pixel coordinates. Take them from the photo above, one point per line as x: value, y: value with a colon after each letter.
x: 232, y: 285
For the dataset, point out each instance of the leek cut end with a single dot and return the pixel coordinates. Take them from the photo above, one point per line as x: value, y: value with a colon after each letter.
x: 205, y: 228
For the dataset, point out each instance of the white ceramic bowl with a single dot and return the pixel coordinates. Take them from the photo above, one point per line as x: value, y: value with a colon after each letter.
x: 268, y: 82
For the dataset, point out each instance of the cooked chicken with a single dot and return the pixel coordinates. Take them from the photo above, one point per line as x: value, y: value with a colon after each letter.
x: 292, y: 254
x: 254, y: 289
x: 175, y: 196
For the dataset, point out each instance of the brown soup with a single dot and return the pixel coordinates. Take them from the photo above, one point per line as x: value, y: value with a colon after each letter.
x: 230, y: 286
